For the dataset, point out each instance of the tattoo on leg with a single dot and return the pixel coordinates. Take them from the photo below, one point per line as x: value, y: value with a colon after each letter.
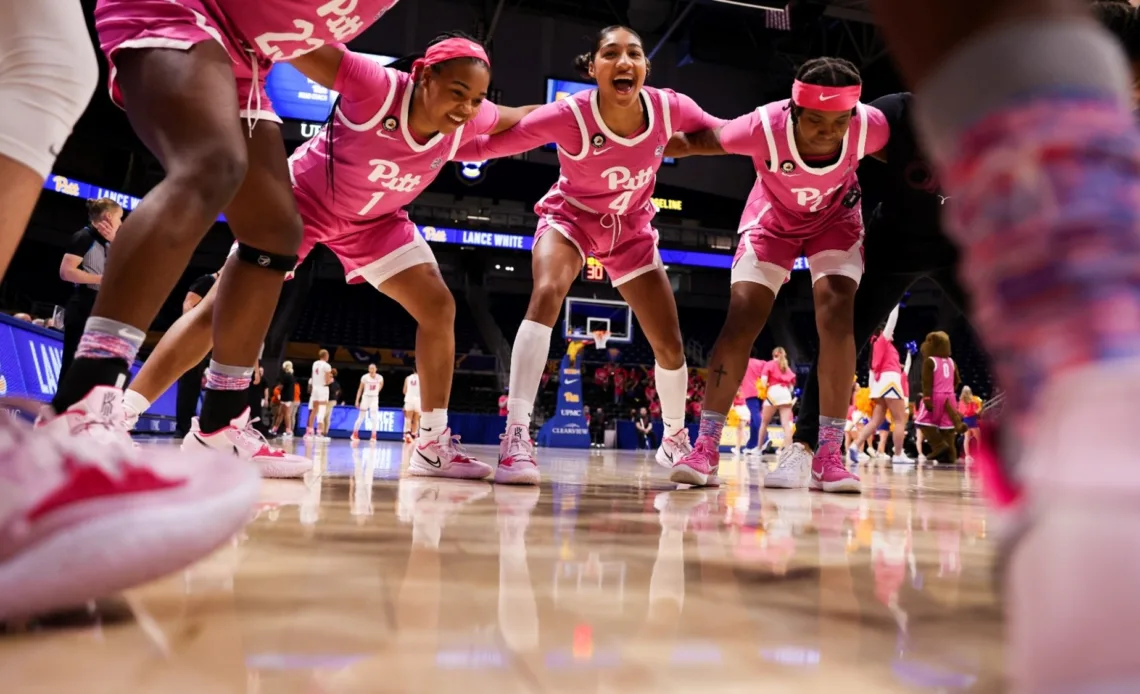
x: 720, y: 372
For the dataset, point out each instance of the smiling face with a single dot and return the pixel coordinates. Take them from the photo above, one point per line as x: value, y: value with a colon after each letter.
x: 453, y: 93
x: 372, y: 369
x: 619, y: 67
x: 821, y: 132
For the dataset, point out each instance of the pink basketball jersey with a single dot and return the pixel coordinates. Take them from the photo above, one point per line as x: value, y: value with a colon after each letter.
x: 378, y: 166
x: 790, y: 197
x: 287, y: 29
x: 608, y: 174
x: 943, y: 376
x: 371, y: 385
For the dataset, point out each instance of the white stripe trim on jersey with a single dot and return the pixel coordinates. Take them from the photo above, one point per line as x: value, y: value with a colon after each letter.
x: 581, y: 128
x: 770, y: 137
x: 405, y: 108
x: 861, y: 110
x: 665, y: 115
x: 393, y: 83
x: 796, y: 152
x: 625, y: 142
x: 456, y: 138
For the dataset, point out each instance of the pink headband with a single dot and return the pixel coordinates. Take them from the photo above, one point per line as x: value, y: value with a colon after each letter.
x: 449, y: 49
x: 820, y: 98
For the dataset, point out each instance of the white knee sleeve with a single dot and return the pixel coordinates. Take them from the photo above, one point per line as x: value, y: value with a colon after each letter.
x: 48, y: 73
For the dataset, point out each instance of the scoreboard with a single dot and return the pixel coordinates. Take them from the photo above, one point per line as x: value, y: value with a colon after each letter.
x: 593, y: 271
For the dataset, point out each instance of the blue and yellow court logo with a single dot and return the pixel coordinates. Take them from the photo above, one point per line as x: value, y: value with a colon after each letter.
x: 571, y: 397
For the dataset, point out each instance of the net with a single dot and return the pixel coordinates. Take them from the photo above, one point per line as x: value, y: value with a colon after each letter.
x: 600, y: 338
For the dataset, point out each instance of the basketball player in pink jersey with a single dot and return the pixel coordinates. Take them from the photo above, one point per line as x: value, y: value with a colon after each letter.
x: 1052, y: 261
x: 190, y: 74
x: 887, y: 393
x: 610, y: 143
x: 387, y: 138
x: 806, y: 201
x: 80, y: 521
x: 748, y: 389
x: 189, y: 338
x: 779, y: 380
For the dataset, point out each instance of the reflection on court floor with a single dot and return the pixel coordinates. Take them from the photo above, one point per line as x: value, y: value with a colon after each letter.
x: 605, y: 579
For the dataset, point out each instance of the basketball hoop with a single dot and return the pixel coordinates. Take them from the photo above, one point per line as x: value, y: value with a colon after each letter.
x: 600, y: 338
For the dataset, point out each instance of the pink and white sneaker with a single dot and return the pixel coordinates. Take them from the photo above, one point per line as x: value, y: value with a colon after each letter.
x: 445, y: 457
x: 674, y: 448
x: 829, y: 474
x: 699, y: 468
x: 245, y: 442
x: 84, y: 514
x: 516, y: 457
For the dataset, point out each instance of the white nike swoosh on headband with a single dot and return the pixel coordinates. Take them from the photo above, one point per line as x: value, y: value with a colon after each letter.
x: 828, y: 97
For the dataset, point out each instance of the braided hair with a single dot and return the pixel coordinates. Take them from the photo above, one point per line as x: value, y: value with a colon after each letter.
x: 826, y: 72
x: 1122, y: 21
x: 403, y: 64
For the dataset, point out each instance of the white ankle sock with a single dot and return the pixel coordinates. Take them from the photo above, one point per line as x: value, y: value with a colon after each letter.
x: 528, y: 359
x: 671, y: 388
x: 432, y: 423
x: 135, y: 402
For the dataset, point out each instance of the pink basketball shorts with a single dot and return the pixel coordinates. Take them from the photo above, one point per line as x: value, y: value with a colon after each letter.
x: 766, y: 256
x: 626, y: 245
x: 938, y: 417
x: 371, y: 250
x: 180, y: 25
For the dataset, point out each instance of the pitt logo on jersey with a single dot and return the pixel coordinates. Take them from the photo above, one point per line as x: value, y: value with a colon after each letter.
x: 389, y: 173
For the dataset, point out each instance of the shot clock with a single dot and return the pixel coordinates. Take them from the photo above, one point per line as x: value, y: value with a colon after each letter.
x: 593, y: 271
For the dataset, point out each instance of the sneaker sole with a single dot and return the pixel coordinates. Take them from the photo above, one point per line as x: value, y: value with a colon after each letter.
x: 529, y: 476
x: 277, y: 470
x: 783, y: 484
x: 840, y: 487
x: 467, y: 473
x: 683, y: 474
x: 122, y: 550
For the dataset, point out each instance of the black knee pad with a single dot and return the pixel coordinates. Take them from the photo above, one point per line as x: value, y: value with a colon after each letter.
x: 265, y: 259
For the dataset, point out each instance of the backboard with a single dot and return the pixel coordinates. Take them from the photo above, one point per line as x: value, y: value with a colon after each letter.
x: 581, y: 317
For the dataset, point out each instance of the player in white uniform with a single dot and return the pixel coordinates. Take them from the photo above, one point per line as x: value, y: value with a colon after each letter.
x: 318, y: 392
x: 368, y: 401
x: 412, y: 408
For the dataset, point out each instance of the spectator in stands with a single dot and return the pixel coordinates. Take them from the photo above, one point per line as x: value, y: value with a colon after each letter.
x: 619, y: 385
x: 503, y: 404
x: 288, y: 384
x: 39, y: 322
x: 645, y: 436
x: 82, y: 265
x: 27, y: 318
x: 598, y: 428
x: 655, y: 409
